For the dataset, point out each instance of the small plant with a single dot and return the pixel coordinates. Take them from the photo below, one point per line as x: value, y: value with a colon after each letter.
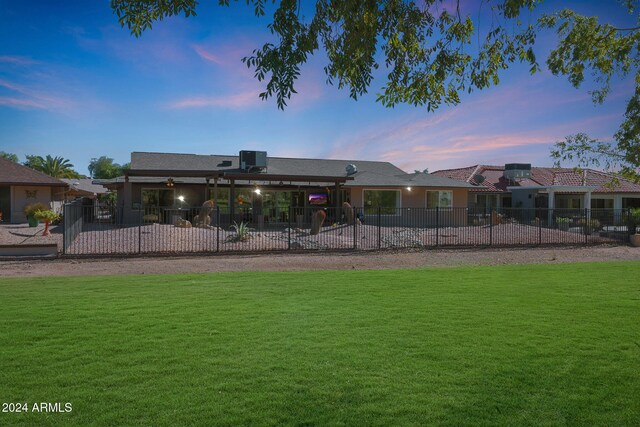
x: 593, y: 224
x: 242, y: 232
x: 634, y: 219
x: 563, y: 220
x: 32, y: 208
x: 47, y: 216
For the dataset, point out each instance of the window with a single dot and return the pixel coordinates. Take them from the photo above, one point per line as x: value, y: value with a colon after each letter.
x: 157, y: 197
x: 439, y: 199
x: 387, y: 200
x: 630, y: 202
x: 601, y: 203
x: 223, y: 197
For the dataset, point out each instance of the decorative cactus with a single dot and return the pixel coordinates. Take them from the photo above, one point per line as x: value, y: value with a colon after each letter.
x: 317, y: 219
x: 348, y: 213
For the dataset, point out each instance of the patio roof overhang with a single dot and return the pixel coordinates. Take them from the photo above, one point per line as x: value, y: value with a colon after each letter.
x: 236, y: 176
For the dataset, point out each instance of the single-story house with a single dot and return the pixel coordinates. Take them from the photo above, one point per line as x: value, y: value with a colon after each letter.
x: 517, y: 185
x: 83, y: 187
x: 21, y: 186
x: 267, y: 188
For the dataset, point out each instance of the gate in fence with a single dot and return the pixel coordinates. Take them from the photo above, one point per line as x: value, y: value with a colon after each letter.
x: 101, y: 230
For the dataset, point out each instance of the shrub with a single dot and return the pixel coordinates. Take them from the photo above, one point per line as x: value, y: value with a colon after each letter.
x: 46, y: 215
x: 634, y: 220
x: 32, y: 208
x: 593, y: 224
x: 563, y: 220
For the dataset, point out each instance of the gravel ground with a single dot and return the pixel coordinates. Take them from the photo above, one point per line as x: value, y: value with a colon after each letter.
x: 316, y: 261
x: 21, y: 234
x: 106, y: 239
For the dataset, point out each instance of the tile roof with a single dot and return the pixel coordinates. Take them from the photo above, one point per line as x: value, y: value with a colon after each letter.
x: 543, y: 177
x: 12, y: 173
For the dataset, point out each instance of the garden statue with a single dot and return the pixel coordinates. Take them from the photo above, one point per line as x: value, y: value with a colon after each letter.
x: 203, y: 219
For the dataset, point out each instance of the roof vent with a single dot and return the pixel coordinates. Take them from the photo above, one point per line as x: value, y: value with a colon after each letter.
x: 253, y: 160
x: 513, y: 171
x: 478, y: 179
x: 351, y: 169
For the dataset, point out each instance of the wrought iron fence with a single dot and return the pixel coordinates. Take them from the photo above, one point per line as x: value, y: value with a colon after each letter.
x: 103, y: 230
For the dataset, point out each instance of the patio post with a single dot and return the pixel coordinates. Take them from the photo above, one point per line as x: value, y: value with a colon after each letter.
x: 437, y: 224
x: 550, y: 206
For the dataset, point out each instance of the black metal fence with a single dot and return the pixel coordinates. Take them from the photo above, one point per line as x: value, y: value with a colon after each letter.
x: 102, y: 230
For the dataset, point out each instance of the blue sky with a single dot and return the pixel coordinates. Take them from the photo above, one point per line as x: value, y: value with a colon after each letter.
x: 73, y: 83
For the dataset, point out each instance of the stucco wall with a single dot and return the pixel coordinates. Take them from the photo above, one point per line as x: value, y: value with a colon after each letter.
x: 23, y: 196
x: 414, y: 198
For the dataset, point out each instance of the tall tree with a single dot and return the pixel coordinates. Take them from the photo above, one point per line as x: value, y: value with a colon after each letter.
x: 57, y: 167
x: 9, y: 156
x: 105, y: 168
x: 431, y: 53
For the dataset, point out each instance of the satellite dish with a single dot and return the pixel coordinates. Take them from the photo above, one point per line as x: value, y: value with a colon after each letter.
x: 479, y: 179
x: 351, y: 169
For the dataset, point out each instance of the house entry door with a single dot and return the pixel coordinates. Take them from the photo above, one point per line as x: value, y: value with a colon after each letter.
x: 5, y: 204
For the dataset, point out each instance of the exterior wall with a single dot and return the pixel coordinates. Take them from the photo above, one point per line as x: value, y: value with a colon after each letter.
x: 20, y: 198
x: 417, y: 198
x: 414, y: 198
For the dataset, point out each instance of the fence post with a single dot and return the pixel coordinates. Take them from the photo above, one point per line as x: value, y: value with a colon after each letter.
x: 355, y: 223
x: 289, y: 229
x: 437, y: 225
x: 539, y: 231
x: 65, y: 219
x: 379, y: 229
x: 587, y: 227
x: 140, y: 221
x: 490, y: 226
x: 218, y: 228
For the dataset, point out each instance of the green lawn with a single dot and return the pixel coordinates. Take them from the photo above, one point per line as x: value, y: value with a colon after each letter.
x: 517, y: 345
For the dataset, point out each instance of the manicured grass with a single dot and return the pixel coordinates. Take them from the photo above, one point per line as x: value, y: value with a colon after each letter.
x: 517, y: 345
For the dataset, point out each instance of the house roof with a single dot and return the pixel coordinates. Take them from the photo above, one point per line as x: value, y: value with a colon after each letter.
x: 85, y: 185
x: 494, y: 180
x: 369, y: 173
x: 12, y: 173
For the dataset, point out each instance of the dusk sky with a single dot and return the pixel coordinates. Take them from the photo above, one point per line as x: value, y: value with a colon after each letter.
x: 73, y: 83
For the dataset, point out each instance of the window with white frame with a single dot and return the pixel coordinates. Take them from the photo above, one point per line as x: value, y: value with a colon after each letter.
x: 440, y: 199
x: 387, y: 200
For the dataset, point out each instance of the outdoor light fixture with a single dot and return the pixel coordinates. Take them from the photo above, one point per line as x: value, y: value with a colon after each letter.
x: 257, y: 191
x: 181, y: 198
x: 408, y: 188
x: 170, y: 182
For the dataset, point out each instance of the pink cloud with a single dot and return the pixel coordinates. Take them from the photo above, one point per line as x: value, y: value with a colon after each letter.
x: 206, y: 55
x: 35, y: 98
x: 20, y: 103
x: 17, y: 60
x: 231, y: 101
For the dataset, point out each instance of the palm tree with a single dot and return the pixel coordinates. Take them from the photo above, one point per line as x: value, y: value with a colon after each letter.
x: 57, y: 167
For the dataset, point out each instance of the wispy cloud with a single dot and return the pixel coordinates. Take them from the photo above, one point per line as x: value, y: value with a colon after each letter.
x: 232, y: 101
x: 206, y: 55
x: 16, y: 60
x: 20, y: 103
x: 34, y: 98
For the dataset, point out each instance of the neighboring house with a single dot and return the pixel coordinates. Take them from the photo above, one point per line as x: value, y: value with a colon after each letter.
x: 522, y: 186
x: 21, y: 186
x: 83, y: 187
x: 270, y: 186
